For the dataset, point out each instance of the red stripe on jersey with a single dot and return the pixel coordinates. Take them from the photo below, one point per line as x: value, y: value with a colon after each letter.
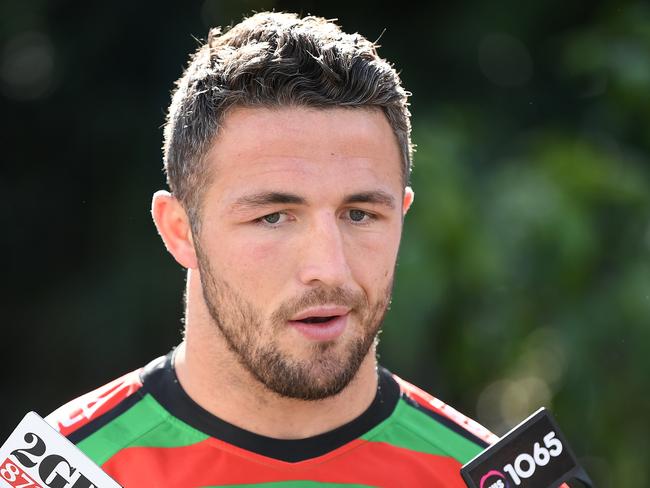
x: 213, y: 462
x: 432, y: 403
x: 82, y: 410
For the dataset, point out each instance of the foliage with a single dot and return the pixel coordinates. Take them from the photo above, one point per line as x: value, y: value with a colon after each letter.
x: 524, y: 275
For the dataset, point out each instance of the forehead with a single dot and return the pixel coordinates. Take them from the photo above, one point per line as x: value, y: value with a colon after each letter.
x: 257, y: 148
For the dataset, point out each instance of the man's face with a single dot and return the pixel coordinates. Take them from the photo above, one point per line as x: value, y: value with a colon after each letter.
x: 300, y: 229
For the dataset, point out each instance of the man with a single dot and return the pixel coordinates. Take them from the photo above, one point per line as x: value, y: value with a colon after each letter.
x: 287, y: 151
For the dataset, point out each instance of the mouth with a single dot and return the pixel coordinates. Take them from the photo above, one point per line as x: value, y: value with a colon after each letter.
x: 317, y: 320
x: 322, y: 324
x: 320, y: 314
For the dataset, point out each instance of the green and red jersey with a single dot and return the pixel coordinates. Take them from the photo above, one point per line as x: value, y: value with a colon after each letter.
x: 146, y: 432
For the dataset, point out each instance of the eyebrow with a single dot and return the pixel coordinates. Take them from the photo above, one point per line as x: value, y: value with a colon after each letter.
x: 267, y: 198
x: 378, y: 197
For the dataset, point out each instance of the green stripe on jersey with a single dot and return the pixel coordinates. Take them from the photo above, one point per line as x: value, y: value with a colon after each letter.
x: 411, y: 429
x: 145, y: 424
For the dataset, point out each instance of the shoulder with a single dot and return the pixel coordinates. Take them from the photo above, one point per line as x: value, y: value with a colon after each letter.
x: 111, y: 417
x: 423, y: 423
x: 83, y: 410
x: 432, y: 406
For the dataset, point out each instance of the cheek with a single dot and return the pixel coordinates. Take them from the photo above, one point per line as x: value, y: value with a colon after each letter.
x: 255, y: 263
x: 372, y: 258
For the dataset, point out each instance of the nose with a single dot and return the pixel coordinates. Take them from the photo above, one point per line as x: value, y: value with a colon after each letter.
x: 323, y: 254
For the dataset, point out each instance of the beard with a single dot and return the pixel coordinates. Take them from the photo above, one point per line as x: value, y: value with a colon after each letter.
x: 329, y: 366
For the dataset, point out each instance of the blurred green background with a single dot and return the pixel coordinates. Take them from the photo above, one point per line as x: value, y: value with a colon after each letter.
x: 524, y: 276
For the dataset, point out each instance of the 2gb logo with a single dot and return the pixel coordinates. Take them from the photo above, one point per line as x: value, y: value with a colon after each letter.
x: 54, y: 470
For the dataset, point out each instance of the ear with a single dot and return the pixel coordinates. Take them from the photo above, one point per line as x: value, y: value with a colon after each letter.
x: 409, y: 196
x: 174, y: 228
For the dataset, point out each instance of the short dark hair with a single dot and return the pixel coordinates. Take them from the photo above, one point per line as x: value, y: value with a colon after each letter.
x: 273, y: 59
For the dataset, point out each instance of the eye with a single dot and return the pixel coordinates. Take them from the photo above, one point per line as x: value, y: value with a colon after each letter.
x: 273, y: 218
x: 356, y: 215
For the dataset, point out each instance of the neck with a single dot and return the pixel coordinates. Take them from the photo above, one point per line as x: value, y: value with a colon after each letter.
x: 213, y: 377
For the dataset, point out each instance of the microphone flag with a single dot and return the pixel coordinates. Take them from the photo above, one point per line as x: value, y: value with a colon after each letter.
x: 534, y: 454
x: 36, y: 456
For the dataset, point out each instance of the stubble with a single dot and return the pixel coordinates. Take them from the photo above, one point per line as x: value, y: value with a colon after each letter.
x: 254, y: 340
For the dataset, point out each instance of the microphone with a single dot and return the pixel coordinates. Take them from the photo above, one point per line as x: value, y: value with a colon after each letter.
x: 36, y: 456
x: 534, y: 454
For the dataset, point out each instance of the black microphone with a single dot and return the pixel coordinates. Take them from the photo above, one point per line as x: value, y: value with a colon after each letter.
x: 534, y: 454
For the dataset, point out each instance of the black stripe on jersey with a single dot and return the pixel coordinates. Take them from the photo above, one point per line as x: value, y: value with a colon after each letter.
x: 159, y: 379
x: 447, y: 422
x: 94, y: 425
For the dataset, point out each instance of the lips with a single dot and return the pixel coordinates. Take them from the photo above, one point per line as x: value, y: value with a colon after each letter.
x: 318, y: 320
x: 324, y: 323
x: 317, y: 314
